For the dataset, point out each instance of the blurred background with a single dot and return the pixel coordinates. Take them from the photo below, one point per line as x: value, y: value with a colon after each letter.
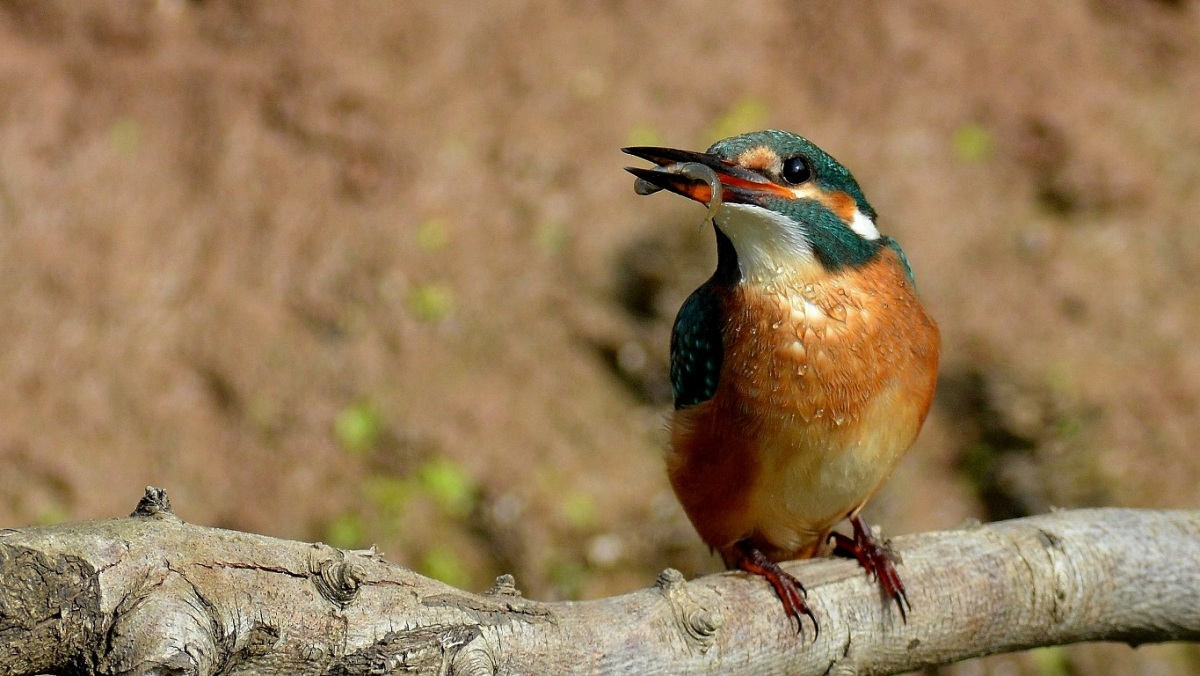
x: 368, y: 272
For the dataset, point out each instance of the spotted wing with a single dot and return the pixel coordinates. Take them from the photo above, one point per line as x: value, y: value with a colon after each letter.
x: 696, y: 349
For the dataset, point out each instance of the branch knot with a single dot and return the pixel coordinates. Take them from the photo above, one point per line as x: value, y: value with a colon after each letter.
x: 153, y: 503
x: 506, y: 585
x: 698, y: 624
x: 336, y: 579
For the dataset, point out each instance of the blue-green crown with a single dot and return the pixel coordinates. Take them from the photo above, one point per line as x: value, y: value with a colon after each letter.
x: 828, y: 172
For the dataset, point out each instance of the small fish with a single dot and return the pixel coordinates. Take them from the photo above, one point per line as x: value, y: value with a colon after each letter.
x: 694, y: 171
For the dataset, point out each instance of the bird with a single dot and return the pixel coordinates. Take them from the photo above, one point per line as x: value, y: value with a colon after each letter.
x: 802, y: 370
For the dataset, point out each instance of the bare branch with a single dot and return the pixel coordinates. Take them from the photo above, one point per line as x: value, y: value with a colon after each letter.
x: 149, y: 594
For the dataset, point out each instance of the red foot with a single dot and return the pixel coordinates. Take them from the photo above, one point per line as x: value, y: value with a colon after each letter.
x: 787, y: 588
x: 876, y: 559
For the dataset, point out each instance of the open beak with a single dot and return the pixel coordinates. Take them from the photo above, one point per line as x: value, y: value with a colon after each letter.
x: 738, y: 185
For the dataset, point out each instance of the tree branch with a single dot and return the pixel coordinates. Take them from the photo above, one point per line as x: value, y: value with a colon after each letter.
x: 149, y: 594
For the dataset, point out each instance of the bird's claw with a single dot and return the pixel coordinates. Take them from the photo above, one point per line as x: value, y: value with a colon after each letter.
x: 789, y: 590
x: 876, y: 559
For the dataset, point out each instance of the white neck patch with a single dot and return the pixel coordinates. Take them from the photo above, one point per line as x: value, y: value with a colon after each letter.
x: 863, y: 226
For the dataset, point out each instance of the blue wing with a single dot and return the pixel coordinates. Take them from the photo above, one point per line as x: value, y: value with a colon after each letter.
x: 696, y: 349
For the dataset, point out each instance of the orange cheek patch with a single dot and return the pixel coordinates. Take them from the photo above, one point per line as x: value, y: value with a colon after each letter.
x: 841, y: 204
x: 761, y: 159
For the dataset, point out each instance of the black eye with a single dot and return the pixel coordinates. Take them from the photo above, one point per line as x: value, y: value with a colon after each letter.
x: 796, y: 170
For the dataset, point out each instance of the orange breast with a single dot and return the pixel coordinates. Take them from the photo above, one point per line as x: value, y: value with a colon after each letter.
x: 824, y: 386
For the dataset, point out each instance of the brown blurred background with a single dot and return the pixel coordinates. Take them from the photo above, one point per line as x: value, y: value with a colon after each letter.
x: 370, y: 272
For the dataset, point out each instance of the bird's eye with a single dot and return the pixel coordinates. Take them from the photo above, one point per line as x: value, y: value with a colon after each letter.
x: 796, y: 170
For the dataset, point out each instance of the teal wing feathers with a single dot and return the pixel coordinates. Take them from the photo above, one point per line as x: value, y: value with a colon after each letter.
x: 696, y: 348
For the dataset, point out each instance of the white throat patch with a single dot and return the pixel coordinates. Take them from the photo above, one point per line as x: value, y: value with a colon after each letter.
x: 768, y: 244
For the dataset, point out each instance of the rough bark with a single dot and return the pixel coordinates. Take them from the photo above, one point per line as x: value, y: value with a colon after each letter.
x: 150, y: 594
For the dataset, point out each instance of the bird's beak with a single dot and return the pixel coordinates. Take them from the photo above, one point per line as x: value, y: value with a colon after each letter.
x: 738, y: 185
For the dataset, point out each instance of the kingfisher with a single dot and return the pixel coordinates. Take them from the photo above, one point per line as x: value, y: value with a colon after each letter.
x: 802, y: 370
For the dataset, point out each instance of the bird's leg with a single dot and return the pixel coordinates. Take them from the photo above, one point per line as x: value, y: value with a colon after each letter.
x: 791, y: 593
x: 876, y: 559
